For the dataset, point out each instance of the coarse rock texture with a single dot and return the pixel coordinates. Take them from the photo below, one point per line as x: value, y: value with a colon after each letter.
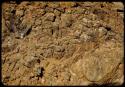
x: 62, y: 43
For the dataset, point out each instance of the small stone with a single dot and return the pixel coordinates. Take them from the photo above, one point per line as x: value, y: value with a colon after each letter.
x: 75, y: 41
x: 59, y: 49
x: 31, y: 75
x: 84, y: 37
x: 49, y: 17
x: 22, y: 35
x: 38, y: 71
x: 58, y: 55
x: 67, y: 4
x: 77, y: 33
x: 38, y: 22
x: 119, y: 5
x: 66, y: 20
x: 48, y: 53
x: 96, y: 24
x: 20, y: 13
x: 42, y: 12
x: 85, y: 20
x: 60, y: 10
x: 30, y: 61
x: 102, y: 31
x: 57, y: 13
x: 25, y: 31
x: 49, y: 10
x: 25, y: 3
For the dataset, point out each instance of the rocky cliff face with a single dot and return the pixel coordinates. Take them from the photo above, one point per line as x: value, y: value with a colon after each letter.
x: 62, y: 43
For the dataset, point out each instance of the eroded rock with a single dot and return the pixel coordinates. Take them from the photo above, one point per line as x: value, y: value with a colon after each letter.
x: 73, y: 43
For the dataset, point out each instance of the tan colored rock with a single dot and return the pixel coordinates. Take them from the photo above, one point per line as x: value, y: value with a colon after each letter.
x: 67, y: 4
x: 66, y: 20
x: 101, y: 62
x: 119, y: 5
x: 62, y: 43
x: 53, y: 5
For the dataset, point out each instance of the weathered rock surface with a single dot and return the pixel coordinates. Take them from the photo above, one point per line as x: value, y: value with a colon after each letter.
x: 62, y: 43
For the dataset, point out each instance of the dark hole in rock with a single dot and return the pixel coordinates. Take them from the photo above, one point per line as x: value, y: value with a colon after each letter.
x: 7, y: 77
x: 11, y: 30
x: 108, y: 28
x: 41, y: 54
x: 38, y: 60
x: 52, y: 31
x: 28, y: 32
x: 13, y: 11
x: 102, y: 6
x: 17, y: 37
x: 119, y: 10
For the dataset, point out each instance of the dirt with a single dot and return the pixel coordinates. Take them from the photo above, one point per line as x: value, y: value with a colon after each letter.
x: 62, y: 43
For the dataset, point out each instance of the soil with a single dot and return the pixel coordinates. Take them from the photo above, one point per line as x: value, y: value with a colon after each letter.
x: 62, y: 43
